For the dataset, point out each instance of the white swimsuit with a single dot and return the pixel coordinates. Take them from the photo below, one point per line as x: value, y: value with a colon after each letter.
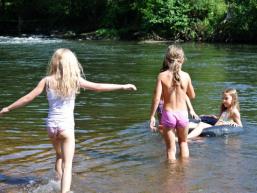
x: 60, y: 112
x: 225, y: 117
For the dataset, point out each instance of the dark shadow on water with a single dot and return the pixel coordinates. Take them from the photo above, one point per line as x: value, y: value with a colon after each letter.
x: 12, y: 180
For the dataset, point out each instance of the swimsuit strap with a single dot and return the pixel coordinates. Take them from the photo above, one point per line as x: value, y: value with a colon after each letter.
x: 47, y: 83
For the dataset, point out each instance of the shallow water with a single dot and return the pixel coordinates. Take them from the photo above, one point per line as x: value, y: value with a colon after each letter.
x: 115, y: 152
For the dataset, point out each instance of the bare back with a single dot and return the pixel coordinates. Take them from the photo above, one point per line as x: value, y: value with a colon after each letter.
x: 174, y: 95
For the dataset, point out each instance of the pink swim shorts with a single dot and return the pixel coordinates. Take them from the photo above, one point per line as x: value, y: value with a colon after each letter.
x: 53, y: 132
x: 174, y: 119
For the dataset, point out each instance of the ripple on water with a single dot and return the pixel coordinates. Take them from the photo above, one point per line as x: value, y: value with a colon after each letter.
x: 115, y: 151
x: 6, y: 40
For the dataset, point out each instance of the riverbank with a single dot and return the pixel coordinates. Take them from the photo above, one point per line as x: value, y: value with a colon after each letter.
x: 99, y: 34
x: 76, y: 32
x: 109, y: 34
x: 94, y: 36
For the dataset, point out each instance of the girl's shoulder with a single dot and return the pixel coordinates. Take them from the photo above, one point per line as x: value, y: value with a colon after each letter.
x: 184, y: 74
x: 235, y: 112
x: 163, y: 74
x: 49, y: 81
x: 48, y: 77
x: 43, y: 80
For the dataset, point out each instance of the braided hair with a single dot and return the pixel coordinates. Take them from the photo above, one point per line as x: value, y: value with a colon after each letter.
x: 173, y: 60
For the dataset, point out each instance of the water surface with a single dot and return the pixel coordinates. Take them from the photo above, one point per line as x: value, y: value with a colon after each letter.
x: 115, y: 152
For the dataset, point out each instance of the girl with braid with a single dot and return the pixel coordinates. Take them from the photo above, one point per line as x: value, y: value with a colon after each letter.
x: 174, y: 86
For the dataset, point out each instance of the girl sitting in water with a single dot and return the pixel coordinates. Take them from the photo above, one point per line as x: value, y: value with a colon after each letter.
x: 229, y: 114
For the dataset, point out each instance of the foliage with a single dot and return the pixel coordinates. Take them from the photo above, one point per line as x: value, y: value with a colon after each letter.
x: 240, y: 24
x: 106, y: 33
x: 212, y: 20
x: 182, y: 19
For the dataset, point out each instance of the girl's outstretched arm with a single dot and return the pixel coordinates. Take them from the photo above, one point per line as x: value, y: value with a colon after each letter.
x: 25, y: 99
x: 104, y: 87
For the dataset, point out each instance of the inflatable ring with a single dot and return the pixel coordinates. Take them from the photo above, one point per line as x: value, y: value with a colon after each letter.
x: 220, y: 130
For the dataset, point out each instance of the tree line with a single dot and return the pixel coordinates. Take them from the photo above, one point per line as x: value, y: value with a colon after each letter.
x: 185, y: 20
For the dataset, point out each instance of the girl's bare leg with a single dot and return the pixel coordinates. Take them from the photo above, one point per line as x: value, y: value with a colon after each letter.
x: 169, y: 138
x: 182, y: 141
x: 68, y: 148
x: 198, y: 130
x: 58, y: 162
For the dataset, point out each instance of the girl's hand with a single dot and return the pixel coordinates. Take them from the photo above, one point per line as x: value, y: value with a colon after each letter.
x: 194, y: 115
x: 4, y: 110
x: 152, y: 124
x: 129, y: 87
x: 233, y: 124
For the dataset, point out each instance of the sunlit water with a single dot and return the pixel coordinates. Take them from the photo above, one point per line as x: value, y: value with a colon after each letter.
x: 115, y: 152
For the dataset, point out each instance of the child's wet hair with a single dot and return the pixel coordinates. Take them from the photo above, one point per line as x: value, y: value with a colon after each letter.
x: 173, y: 60
x: 235, y: 101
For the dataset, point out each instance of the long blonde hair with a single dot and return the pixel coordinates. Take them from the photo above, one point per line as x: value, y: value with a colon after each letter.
x: 235, y: 101
x: 66, y: 71
x: 173, y: 60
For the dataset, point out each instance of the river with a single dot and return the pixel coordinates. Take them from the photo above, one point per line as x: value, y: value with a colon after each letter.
x: 115, y: 150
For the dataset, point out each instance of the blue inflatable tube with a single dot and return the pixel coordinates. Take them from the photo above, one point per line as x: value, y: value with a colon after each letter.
x: 221, y: 130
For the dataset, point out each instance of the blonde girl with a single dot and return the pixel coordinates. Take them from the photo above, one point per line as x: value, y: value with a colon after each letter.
x: 174, y: 86
x: 63, y: 82
x: 229, y: 113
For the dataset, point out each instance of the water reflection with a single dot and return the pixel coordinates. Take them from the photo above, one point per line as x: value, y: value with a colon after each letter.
x: 175, y: 178
x: 115, y: 151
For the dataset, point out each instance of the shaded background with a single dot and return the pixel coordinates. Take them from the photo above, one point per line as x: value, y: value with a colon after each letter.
x: 198, y: 20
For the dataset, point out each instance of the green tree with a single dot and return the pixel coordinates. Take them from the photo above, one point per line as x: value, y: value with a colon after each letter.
x: 240, y: 24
